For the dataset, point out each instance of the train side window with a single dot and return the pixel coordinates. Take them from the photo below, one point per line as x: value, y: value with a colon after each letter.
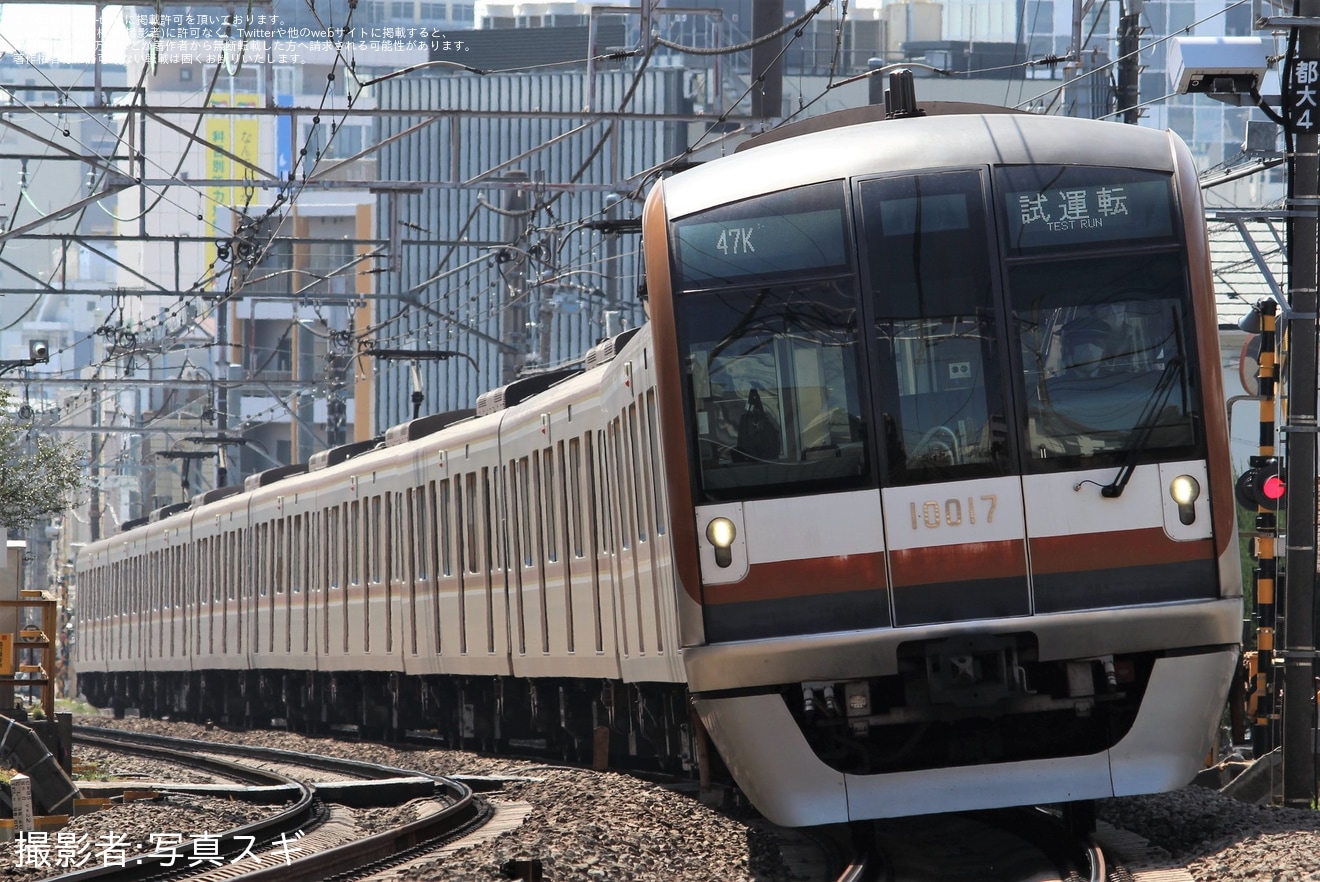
x: 421, y: 506
x: 640, y: 490
x: 442, y: 527
x: 546, y: 492
x: 467, y: 517
x: 311, y: 524
x: 375, y: 538
x: 296, y: 543
x: 620, y: 485
x: 233, y: 552
x: 217, y: 570
x: 653, y: 457
x: 332, y: 554
x: 203, y: 558
x: 402, y: 538
x: 461, y: 531
x: 408, y: 539
x: 522, y: 490
x: 352, y: 541
x: 604, y: 491
x: 353, y: 527
x: 942, y: 403
x: 280, y: 556
x: 434, y: 510
x: 260, y: 558
x: 573, y: 495
x: 491, y: 532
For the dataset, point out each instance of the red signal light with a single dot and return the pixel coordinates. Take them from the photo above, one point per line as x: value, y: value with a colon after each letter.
x: 1261, y: 486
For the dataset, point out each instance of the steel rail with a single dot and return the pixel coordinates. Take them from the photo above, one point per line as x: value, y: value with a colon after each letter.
x: 464, y: 812
x: 306, y: 809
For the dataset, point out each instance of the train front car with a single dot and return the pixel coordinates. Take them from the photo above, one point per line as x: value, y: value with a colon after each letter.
x: 962, y: 532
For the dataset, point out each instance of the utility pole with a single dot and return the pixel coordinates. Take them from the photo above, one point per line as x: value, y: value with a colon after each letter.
x: 767, y: 60
x: 1299, y: 693
x: 1129, y: 65
x: 1072, y: 71
x: 94, y: 467
x: 513, y: 268
x: 222, y: 392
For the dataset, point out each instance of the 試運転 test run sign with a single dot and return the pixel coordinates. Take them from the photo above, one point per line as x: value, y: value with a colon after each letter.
x: 1088, y: 207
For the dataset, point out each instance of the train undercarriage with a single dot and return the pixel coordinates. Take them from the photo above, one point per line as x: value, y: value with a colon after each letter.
x: 631, y: 725
x: 971, y: 701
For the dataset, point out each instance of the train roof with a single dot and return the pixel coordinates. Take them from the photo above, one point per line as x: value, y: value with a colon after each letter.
x: 427, y: 425
x: 913, y: 144
x: 493, y: 401
x: 270, y: 476
x: 520, y: 390
x: 335, y: 455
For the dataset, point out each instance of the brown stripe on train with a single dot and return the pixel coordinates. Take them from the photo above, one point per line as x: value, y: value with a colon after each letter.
x: 1107, y: 551
x: 801, y: 578
x: 958, y: 563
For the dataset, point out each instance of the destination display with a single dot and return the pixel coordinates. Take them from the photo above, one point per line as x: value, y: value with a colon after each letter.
x: 786, y: 233
x: 1085, y: 206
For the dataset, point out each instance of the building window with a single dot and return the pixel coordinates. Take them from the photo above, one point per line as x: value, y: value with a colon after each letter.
x: 348, y: 139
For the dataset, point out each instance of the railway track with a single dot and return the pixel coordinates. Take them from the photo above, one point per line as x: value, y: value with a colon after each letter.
x: 310, y: 839
x: 1024, y: 845
x: 575, y: 822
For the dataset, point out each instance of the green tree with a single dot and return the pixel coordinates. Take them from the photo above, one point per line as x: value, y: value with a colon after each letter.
x: 37, y: 473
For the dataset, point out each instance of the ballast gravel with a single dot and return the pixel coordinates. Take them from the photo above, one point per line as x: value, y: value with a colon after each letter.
x: 585, y: 825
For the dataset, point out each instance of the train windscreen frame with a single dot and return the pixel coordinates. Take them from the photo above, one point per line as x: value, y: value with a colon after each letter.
x: 770, y: 346
x: 1105, y: 339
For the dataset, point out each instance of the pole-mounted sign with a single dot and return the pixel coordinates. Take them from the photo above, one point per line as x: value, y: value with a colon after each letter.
x: 1303, y: 112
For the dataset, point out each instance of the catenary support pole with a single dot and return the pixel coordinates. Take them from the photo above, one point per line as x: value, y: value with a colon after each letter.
x: 1299, y: 587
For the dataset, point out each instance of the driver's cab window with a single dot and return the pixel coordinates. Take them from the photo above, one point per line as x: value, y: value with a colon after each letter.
x: 1104, y: 357
x: 773, y: 379
x: 767, y: 318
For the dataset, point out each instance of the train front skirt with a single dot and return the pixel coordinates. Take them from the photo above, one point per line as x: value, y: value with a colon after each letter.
x: 792, y: 787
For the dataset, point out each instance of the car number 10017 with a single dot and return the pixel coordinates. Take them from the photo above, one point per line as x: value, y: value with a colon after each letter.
x: 952, y: 512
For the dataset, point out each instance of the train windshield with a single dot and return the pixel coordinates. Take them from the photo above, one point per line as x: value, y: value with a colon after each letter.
x: 772, y: 368
x: 1030, y: 319
x: 1104, y: 340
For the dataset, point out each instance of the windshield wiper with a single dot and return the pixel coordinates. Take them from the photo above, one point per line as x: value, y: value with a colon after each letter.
x: 1141, y: 432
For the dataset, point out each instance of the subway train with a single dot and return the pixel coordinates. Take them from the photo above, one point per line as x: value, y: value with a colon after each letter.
x: 911, y: 495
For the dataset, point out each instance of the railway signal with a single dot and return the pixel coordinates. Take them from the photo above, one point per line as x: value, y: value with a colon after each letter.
x: 1261, y: 486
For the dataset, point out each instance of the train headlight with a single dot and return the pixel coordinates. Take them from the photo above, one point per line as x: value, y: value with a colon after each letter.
x: 1185, y: 490
x: 721, y: 533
